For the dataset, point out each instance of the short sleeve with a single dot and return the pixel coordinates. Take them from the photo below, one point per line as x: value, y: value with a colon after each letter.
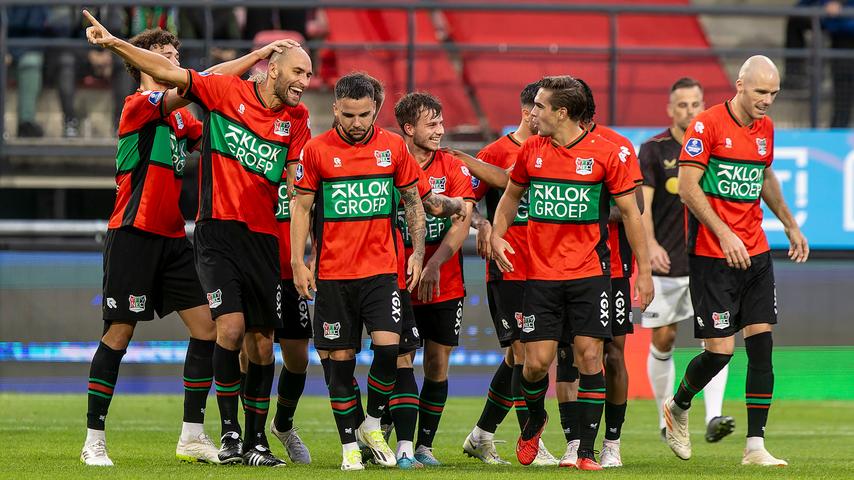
x: 405, y: 168
x: 194, y: 130
x: 696, y: 144
x: 300, y: 135
x: 618, y: 179
x: 519, y: 174
x: 770, y: 147
x: 424, y: 189
x: 139, y: 109
x: 207, y: 89
x: 307, y: 178
x: 648, y: 163
x: 460, y: 182
x: 632, y: 163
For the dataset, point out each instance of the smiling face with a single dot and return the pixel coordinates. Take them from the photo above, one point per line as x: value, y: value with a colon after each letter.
x: 428, y: 130
x: 354, y: 116
x: 544, y: 118
x: 292, y: 72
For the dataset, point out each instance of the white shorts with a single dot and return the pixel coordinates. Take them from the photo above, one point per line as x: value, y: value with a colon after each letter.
x: 672, y: 302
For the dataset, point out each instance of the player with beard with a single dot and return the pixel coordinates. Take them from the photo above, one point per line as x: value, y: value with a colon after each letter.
x: 253, y: 130
x: 350, y: 173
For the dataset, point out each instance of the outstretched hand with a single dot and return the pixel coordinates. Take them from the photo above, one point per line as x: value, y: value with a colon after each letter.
x: 277, y: 46
x: 97, y: 34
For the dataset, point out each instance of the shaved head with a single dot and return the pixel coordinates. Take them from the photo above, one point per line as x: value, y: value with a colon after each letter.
x: 298, y: 52
x: 758, y: 67
x: 290, y: 73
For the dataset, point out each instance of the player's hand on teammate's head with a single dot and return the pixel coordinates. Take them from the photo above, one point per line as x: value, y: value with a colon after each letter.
x: 97, y: 34
x: 277, y: 46
x: 799, y: 249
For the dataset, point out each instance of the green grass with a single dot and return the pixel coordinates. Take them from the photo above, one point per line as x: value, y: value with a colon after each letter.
x: 47, y: 432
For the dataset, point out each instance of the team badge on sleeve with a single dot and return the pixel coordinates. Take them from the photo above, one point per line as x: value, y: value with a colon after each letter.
x: 694, y: 147
x: 300, y: 172
x: 154, y: 97
x: 475, y: 182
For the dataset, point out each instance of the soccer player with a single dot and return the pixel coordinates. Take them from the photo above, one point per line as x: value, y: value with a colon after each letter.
x: 663, y: 219
x: 438, y: 306
x: 252, y: 130
x: 724, y: 169
x: 350, y: 173
x: 505, y: 291
x: 616, y: 376
x: 571, y: 175
x: 148, y: 262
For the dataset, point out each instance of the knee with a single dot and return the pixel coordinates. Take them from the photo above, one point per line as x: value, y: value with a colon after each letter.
x: 589, y: 360
x: 118, y: 336
x: 229, y: 335
x: 614, y: 358
x: 404, y: 361
x: 759, y: 348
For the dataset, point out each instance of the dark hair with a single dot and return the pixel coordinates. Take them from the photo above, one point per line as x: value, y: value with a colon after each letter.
x: 590, y: 111
x: 410, y: 106
x: 528, y: 94
x: 147, y: 39
x: 685, y: 82
x: 567, y: 93
x: 355, y: 85
x: 379, y: 90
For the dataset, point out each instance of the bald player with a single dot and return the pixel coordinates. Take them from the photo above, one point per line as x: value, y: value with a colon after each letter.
x: 724, y: 170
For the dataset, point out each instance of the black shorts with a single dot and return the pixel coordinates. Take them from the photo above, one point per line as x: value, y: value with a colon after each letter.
x: 295, y: 316
x: 506, y: 298
x: 440, y: 322
x: 343, y: 307
x: 554, y: 306
x: 410, y: 339
x: 146, y: 273
x: 621, y: 307
x: 728, y: 299
x: 239, y: 270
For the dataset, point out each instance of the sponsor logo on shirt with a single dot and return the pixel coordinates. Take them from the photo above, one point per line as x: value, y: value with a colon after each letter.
x: 620, y: 307
x: 396, y: 311
x: 282, y: 129
x: 720, y: 320
x: 564, y: 202
x: 383, y: 158
x: 604, y: 309
x: 465, y: 170
x: 357, y: 198
x: 331, y: 331
x: 136, y: 303
x: 283, y: 207
x: 215, y: 298
x: 694, y: 146
x: 733, y: 180
x: 624, y: 154
x: 672, y: 163
x: 253, y: 152
x: 699, y: 127
x: 584, y: 166
x: 336, y: 162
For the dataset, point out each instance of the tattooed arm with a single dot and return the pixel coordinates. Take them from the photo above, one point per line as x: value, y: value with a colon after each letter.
x: 416, y: 222
x: 439, y: 205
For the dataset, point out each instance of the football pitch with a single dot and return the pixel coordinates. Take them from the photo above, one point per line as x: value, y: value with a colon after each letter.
x: 47, y: 431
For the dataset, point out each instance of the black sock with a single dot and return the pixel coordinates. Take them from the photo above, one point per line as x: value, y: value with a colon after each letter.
x: 386, y: 419
x: 760, y: 382
x: 342, y: 396
x: 259, y: 383
x: 518, y: 398
x: 701, y: 370
x: 243, y: 391
x: 403, y: 404
x: 198, y: 378
x: 381, y: 379
x: 535, y: 399
x: 360, y: 408
x: 591, y: 396
x: 227, y: 379
x: 103, y: 374
x: 324, y: 363
x: 291, y: 386
x: 570, y: 420
x: 431, y: 405
x: 615, y: 415
x: 499, y: 400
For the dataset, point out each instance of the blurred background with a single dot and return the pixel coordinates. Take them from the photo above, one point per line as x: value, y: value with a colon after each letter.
x: 61, y: 100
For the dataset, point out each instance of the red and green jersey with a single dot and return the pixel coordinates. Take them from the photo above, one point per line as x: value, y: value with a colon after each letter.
x: 424, y: 191
x: 569, y: 187
x: 355, y: 207
x: 621, y: 252
x: 734, y: 158
x: 245, y: 148
x: 446, y: 175
x: 502, y: 153
x: 283, y: 216
x: 152, y: 152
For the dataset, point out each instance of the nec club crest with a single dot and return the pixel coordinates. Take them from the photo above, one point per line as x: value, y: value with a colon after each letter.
x: 331, y: 331
x: 762, y: 146
x: 383, y: 158
x: 136, y: 304
x: 721, y: 320
x: 438, y: 184
x: 282, y: 129
x: 584, y: 166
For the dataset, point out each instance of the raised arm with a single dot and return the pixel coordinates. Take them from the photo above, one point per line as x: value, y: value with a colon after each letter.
x: 772, y: 195
x: 494, y: 176
x: 303, y: 277
x: 154, y: 64
x: 416, y: 222
x: 504, y: 215
x: 694, y: 198
x: 637, y: 240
